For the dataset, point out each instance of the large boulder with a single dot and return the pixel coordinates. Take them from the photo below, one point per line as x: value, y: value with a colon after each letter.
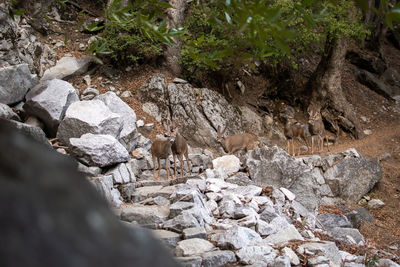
x: 98, y: 150
x: 7, y: 113
x: 202, y: 110
x: 49, y: 101
x: 68, y: 67
x: 88, y: 117
x: 128, y: 135
x: 272, y: 166
x: 53, y: 214
x: 352, y: 178
x: 15, y: 81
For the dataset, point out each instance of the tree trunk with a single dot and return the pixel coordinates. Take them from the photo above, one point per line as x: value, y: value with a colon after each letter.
x: 176, y: 16
x: 326, y: 87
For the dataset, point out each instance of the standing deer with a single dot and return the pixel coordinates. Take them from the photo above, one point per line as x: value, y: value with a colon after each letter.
x: 161, y: 149
x: 317, y: 128
x: 236, y: 142
x: 293, y: 129
x: 179, y: 148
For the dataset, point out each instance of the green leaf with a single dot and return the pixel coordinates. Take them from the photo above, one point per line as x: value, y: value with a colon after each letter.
x: 228, y: 18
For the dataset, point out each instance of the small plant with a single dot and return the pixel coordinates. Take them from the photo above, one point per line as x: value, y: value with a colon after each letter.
x: 14, y: 9
x: 371, y: 261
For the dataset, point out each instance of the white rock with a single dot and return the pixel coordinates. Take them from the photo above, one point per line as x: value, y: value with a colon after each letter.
x: 289, y: 195
x: 376, y: 204
x: 192, y: 247
x: 67, y: 67
x: 288, y: 252
x: 231, y: 163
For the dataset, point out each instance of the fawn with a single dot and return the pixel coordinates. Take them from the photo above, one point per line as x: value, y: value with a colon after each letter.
x: 236, y: 142
x: 317, y: 128
x: 161, y: 149
x: 179, y: 147
x: 293, y: 129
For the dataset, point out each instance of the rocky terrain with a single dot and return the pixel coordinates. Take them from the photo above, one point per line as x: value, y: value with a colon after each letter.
x: 262, y: 207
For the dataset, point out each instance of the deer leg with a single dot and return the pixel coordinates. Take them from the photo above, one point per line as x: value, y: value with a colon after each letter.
x: 312, y: 144
x: 159, y: 169
x: 188, y: 162
x: 154, y: 168
x: 167, y: 168
x: 293, y: 148
x: 321, y: 139
x: 327, y: 142
x: 181, y: 162
x: 174, y: 165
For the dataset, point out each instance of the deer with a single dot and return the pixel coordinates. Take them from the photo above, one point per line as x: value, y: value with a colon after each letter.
x: 317, y: 128
x: 293, y: 130
x: 179, y: 147
x: 161, y: 149
x: 236, y: 142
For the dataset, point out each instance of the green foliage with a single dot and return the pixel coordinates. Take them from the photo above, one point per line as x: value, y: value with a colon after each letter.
x: 136, y: 32
x: 371, y: 261
x: 14, y: 9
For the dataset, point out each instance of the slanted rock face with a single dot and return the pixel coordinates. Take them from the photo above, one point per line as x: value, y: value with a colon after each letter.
x: 201, y: 118
x: 15, y: 81
x: 88, y: 117
x: 49, y: 101
x: 68, y: 67
x: 128, y: 135
x: 352, y: 178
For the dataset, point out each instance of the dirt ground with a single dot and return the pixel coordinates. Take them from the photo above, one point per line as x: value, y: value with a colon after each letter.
x: 380, y: 118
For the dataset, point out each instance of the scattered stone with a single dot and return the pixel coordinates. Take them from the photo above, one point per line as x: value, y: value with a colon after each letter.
x: 126, y: 94
x: 68, y: 67
x: 333, y: 220
x: 194, y: 261
x: 178, y: 207
x: 7, y: 113
x: 326, y: 248
x: 98, y: 150
x: 230, y: 163
x: 144, y: 215
x: 375, y: 204
x: 89, y: 171
x: 285, y: 235
x: 239, y: 178
x: 184, y: 220
x: 15, y: 81
x: 218, y: 258
x: 367, y: 132
x: 196, y: 232
x: 357, y: 216
x: 104, y: 186
x: 289, y: 195
x: 122, y: 174
x: 288, y: 252
x: 235, y: 238
x: 28, y: 130
x: 349, y: 235
x: 281, y: 261
x: 168, y: 238
x: 194, y: 246
x: 256, y: 255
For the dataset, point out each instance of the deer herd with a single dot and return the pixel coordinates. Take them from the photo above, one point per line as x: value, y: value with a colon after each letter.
x: 176, y: 144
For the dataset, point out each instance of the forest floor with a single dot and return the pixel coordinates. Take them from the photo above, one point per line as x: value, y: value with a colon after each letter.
x: 381, y: 117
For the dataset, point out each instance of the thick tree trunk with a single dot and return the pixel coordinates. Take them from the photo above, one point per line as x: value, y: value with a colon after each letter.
x: 326, y: 87
x: 176, y: 16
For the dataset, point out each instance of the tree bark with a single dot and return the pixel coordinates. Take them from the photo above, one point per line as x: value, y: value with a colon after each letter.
x: 176, y: 16
x: 326, y: 86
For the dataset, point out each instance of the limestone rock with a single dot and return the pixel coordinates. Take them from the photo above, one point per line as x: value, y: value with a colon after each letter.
x: 194, y: 246
x: 235, y: 238
x: 218, y: 258
x: 68, y: 67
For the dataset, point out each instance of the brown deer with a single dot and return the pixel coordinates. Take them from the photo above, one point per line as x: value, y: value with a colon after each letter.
x: 293, y: 130
x: 236, y: 142
x: 179, y: 147
x: 317, y: 128
x: 161, y: 149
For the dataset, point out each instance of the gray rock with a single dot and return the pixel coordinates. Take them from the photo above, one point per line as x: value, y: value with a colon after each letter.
x: 152, y: 110
x: 246, y: 191
x: 240, y: 179
x: 325, y: 248
x: 376, y: 204
x: 349, y: 235
x: 318, y: 261
x: 352, y: 178
x: 387, y: 263
x: 285, y: 235
x: 88, y: 171
x: 230, y: 163
x: 218, y: 258
x: 194, y: 246
x: 374, y: 83
x: 288, y: 252
x: 68, y: 67
x: 88, y: 117
x: 276, y: 225
x: 7, y: 113
x: 268, y: 214
x: 252, y: 121
x: 104, y: 186
x: 160, y: 201
x: 15, y: 81
x: 180, y: 206
x: 281, y: 261
x: 194, y: 261
x: 274, y: 167
x: 235, y: 238
x: 145, y: 215
x: 182, y: 221
x: 357, y: 216
x: 122, y: 174
x: 128, y: 135
x: 144, y: 192
x: 32, y: 131
x: 196, y: 232
x: 98, y: 150
x: 256, y: 255
x: 126, y: 191
x: 333, y: 220
x: 205, y: 116
x: 168, y: 238
x: 49, y: 101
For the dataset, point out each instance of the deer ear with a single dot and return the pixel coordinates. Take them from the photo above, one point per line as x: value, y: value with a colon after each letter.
x: 219, y: 129
x: 223, y: 132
